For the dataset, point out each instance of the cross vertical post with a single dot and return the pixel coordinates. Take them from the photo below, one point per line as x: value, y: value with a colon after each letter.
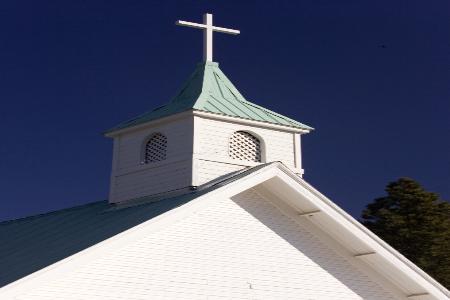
x: 208, y: 38
x: 208, y: 30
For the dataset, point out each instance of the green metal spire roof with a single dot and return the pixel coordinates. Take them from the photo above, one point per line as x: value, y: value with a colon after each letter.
x: 209, y: 90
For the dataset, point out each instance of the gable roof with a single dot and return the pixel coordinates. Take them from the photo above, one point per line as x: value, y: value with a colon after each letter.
x: 299, y: 198
x: 209, y: 90
x: 30, y: 244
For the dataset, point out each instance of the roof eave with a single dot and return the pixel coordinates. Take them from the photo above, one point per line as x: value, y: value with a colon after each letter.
x: 270, y: 125
x: 115, y: 132
x: 388, y: 255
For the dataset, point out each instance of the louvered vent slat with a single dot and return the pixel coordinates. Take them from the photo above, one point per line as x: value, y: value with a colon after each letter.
x: 156, y: 148
x: 244, y: 146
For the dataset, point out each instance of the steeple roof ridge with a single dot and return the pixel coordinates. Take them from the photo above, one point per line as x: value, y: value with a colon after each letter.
x: 208, y: 89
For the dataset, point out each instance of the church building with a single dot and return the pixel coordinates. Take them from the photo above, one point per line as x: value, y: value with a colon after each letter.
x: 207, y: 201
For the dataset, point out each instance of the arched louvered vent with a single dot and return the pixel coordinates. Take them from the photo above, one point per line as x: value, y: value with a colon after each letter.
x: 155, y: 148
x: 244, y: 146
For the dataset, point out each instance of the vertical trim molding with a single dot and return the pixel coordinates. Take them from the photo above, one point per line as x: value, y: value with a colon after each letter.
x: 297, y: 151
x: 196, y: 123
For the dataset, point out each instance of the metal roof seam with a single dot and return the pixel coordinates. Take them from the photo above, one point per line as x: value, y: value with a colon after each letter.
x: 206, y: 88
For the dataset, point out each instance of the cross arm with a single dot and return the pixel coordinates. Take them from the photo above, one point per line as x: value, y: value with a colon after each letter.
x: 190, y: 24
x: 208, y: 30
x: 226, y: 30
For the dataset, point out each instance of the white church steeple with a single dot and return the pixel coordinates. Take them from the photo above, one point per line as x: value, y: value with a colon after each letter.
x: 207, y: 130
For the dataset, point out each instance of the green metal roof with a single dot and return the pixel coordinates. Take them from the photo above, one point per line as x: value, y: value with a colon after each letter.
x: 209, y: 90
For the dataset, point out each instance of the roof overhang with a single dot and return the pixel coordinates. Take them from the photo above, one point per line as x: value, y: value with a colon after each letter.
x: 243, y: 121
x: 308, y: 203
x: 208, y: 115
x: 149, y: 124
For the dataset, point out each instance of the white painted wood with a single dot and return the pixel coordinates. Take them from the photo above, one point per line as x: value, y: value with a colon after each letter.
x: 263, y: 191
x: 213, y: 143
x: 150, y: 124
x: 209, y: 170
x: 280, y: 233
x: 208, y: 30
x: 167, y: 177
x: 197, y: 152
x: 211, y: 159
x: 309, y: 213
x: 132, y: 178
x: 179, y: 134
x: 241, y: 247
x: 204, y: 114
x: 352, y: 235
x: 422, y: 296
x: 297, y: 152
x: 208, y: 38
x: 248, y: 122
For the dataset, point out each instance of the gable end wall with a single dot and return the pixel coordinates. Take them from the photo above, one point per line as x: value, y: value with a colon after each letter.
x: 241, y: 247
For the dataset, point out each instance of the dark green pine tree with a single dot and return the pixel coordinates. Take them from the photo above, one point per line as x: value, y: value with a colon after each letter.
x: 416, y: 223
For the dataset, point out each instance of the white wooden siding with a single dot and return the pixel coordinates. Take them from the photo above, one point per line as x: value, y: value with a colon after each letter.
x: 165, y: 177
x: 209, y: 170
x: 240, y: 248
x: 211, y: 144
x: 214, y: 137
x: 185, y: 166
x: 132, y: 179
x: 212, y: 148
x: 179, y: 142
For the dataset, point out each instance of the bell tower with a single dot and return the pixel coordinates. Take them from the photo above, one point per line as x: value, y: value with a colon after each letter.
x: 206, y: 131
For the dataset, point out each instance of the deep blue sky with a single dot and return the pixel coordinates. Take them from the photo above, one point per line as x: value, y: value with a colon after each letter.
x: 373, y: 78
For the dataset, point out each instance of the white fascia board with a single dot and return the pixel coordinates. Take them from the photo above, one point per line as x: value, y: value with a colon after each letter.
x: 149, y: 124
x: 209, y: 115
x: 391, y: 257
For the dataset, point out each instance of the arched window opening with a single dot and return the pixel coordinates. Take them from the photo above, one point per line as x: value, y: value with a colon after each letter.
x: 244, y: 146
x: 155, y: 148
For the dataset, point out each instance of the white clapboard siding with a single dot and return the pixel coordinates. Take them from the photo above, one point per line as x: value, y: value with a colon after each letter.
x: 131, y: 178
x: 167, y: 177
x: 179, y: 142
x: 214, y: 138
x: 212, y: 147
x: 210, y: 170
x: 197, y: 152
x: 239, y: 248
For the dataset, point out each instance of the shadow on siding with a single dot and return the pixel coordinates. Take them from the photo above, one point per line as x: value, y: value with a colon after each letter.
x: 308, y: 244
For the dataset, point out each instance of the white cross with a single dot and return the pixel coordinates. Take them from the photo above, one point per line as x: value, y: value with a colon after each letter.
x: 208, y: 29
